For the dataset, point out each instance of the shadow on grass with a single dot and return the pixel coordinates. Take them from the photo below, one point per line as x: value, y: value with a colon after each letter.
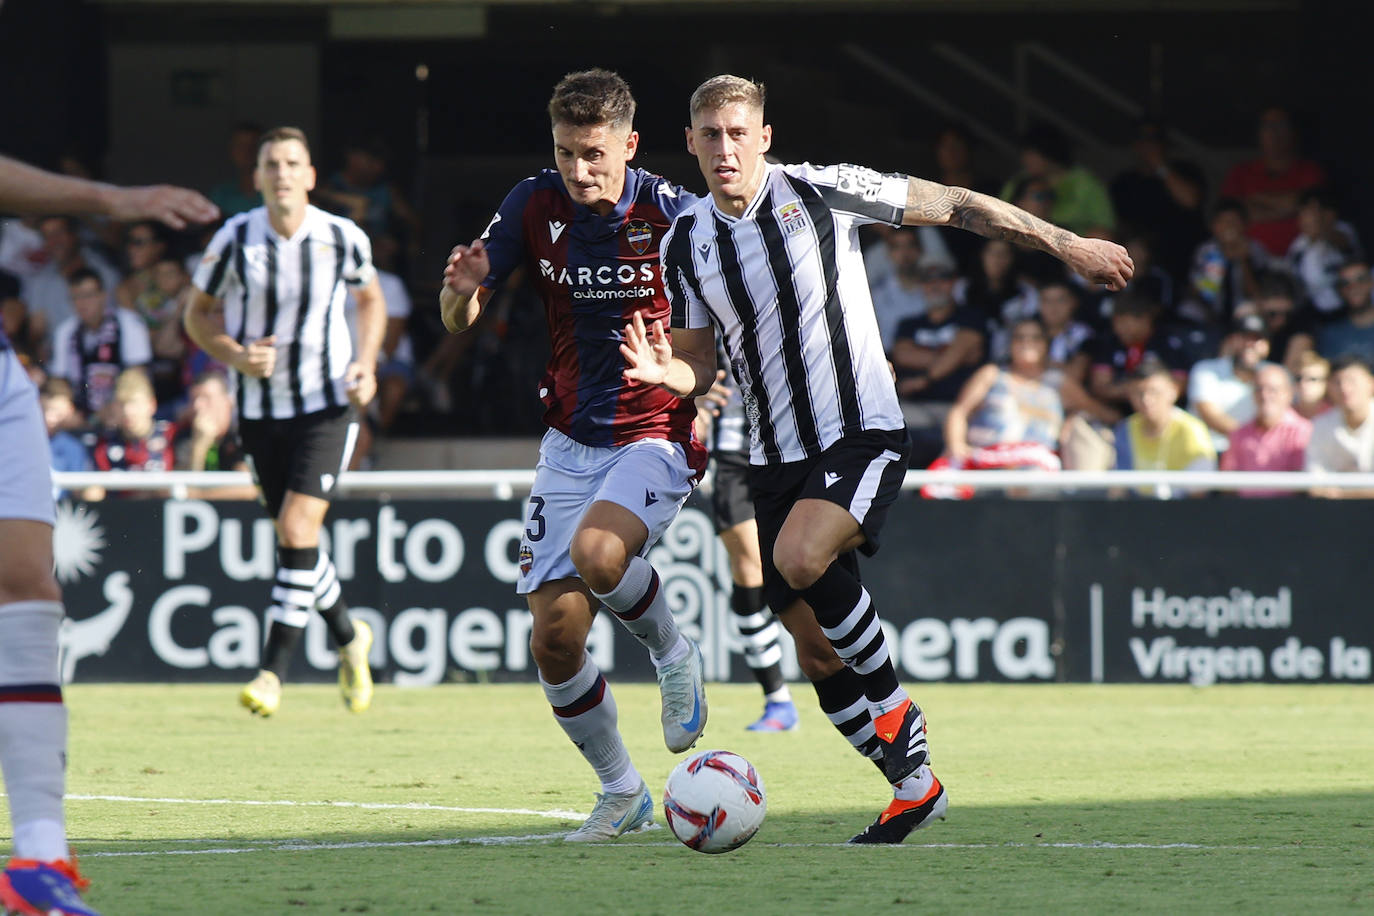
x: 1279, y: 854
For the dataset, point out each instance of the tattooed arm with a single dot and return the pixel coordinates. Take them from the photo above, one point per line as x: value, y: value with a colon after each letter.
x: 931, y: 204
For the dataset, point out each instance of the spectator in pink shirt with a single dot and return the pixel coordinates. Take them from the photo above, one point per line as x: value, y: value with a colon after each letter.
x: 1276, y: 439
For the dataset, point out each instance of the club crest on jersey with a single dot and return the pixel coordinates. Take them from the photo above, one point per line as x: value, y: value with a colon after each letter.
x: 526, y: 559
x: 792, y: 217
x: 639, y: 234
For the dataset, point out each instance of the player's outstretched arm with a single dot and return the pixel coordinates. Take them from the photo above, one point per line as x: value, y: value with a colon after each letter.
x: 929, y: 203
x: 686, y: 366
x: 25, y: 189
x: 462, y: 295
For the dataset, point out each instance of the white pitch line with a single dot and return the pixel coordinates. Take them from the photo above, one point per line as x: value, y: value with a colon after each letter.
x: 531, y: 839
x: 556, y: 814
x: 311, y: 847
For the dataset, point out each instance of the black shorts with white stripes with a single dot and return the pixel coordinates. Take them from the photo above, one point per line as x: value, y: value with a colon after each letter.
x: 861, y: 473
x: 732, y: 501
x: 303, y: 454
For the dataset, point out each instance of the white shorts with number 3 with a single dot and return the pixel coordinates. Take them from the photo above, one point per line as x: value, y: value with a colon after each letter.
x: 650, y: 477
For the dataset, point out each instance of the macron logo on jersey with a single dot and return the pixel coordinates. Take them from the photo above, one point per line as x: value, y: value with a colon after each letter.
x: 486, y: 233
x: 556, y: 228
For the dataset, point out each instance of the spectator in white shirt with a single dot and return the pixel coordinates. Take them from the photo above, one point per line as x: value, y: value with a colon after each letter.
x: 1221, y: 391
x: 46, y: 291
x: 899, y: 297
x: 1343, y: 439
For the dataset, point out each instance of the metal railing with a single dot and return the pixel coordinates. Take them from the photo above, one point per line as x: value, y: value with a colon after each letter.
x: 505, y: 484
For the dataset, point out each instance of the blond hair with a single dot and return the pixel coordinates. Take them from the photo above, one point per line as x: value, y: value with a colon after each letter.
x: 1310, y: 358
x: 133, y: 383
x: 719, y: 91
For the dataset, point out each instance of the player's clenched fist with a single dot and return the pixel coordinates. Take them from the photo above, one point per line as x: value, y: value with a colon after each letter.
x: 1101, y: 261
x: 258, y: 358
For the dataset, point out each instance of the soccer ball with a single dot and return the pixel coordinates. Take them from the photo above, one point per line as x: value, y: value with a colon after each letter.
x: 714, y: 801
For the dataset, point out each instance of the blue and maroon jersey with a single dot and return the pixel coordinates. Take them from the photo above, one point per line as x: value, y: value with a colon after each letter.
x: 593, y: 273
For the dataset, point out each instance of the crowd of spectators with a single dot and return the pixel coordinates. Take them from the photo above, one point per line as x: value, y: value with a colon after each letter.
x: 95, y: 311
x: 1243, y: 342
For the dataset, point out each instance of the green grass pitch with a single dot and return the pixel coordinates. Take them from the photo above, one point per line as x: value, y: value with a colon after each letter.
x: 1063, y: 799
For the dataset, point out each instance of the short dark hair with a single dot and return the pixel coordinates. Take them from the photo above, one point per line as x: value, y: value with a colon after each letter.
x: 281, y: 135
x: 1322, y: 197
x: 1347, y: 360
x: 1149, y: 367
x: 591, y: 97
x: 69, y: 223
x: 55, y: 386
x: 82, y: 274
x: 1067, y: 285
x: 1135, y: 302
x: 1273, y: 284
x: 1230, y: 205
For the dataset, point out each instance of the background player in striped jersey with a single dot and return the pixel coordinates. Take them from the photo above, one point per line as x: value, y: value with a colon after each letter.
x: 278, y: 273
x: 772, y: 258
x: 619, y: 458
x: 722, y: 424
x: 41, y: 877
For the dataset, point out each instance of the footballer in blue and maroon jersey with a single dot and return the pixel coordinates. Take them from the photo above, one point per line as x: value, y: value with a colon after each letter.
x: 593, y: 273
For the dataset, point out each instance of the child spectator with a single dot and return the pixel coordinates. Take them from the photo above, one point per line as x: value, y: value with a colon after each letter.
x: 91, y: 348
x: 1132, y: 339
x: 1069, y: 338
x: 64, y: 425
x: 1226, y: 268
x: 135, y: 440
x: 1160, y: 435
x: 1276, y: 439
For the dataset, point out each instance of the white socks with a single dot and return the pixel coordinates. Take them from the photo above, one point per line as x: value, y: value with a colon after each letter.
x: 33, y: 727
x: 638, y: 601
x: 585, y: 709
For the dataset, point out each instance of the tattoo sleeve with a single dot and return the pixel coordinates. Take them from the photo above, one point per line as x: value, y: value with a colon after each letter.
x: 929, y: 203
